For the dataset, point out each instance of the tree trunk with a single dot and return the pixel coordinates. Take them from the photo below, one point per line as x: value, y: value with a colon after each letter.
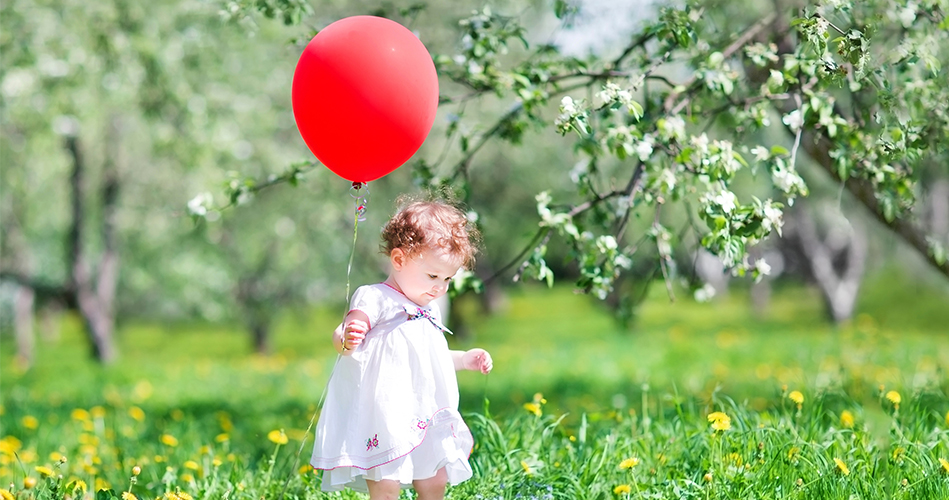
x: 836, y: 261
x: 95, y: 301
x: 23, y: 325
x: 260, y: 332
x: 939, y: 210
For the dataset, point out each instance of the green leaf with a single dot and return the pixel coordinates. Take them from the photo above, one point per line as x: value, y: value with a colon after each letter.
x: 106, y: 495
x: 636, y: 110
x: 779, y: 150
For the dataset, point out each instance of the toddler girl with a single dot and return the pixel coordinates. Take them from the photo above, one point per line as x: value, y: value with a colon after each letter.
x: 391, y: 415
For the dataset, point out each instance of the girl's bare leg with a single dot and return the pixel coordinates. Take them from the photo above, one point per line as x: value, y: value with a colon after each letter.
x: 386, y: 489
x: 432, y: 488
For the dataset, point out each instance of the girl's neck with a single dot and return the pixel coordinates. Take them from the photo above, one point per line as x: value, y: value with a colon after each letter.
x: 391, y: 283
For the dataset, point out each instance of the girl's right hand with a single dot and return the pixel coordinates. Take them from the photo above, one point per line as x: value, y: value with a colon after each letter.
x: 354, y: 333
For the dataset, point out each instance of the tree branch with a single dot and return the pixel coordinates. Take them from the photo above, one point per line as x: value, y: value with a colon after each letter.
x: 818, y: 146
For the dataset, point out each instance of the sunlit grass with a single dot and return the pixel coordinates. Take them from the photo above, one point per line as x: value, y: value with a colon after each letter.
x: 813, y: 411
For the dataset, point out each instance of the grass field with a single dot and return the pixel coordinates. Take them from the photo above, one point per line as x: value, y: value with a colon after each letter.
x: 695, y: 401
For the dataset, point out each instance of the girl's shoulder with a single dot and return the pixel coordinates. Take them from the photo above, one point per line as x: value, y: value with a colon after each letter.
x: 378, y: 300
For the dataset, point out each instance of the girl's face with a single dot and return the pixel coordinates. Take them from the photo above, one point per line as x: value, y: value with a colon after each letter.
x: 422, y: 277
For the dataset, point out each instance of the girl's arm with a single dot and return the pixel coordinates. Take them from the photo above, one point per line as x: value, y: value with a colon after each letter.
x: 351, y: 332
x: 472, y: 359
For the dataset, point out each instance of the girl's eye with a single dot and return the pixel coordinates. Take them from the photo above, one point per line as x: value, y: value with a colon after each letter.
x: 432, y: 276
x: 448, y: 279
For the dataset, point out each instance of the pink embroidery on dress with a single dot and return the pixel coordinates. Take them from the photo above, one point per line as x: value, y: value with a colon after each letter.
x: 422, y: 424
x: 372, y: 442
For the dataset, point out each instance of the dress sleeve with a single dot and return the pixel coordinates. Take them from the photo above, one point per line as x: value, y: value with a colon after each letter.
x: 370, y: 301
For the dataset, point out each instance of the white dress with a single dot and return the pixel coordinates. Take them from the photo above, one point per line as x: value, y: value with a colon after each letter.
x: 391, y: 408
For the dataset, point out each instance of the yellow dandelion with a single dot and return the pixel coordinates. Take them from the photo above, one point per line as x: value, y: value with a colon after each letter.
x: 947, y: 419
x: 539, y: 399
x: 533, y: 408
x: 629, y: 463
x: 169, y: 440
x: 29, y: 482
x: 187, y: 477
x: 707, y: 477
x: 895, y: 398
x: 57, y: 457
x: 526, y: 467
x: 97, y: 412
x: 622, y: 489
x: 191, y: 464
x: 222, y: 437
x: 792, y: 453
x: 44, y: 471
x: 944, y: 464
x: 573, y: 438
x: 128, y: 495
x: 796, y: 397
x: 30, y: 422
x: 80, y: 415
x: 136, y: 470
x: 277, y: 436
x: 137, y: 414
x: 898, y: 453
x: 6, y: 495
x: 846, y: 419
x: 79, y: 485
x: 719, y: 421
x: 306, y: 469
x: 842, y: 466
x: 216, y: 462
x: 102, y: 484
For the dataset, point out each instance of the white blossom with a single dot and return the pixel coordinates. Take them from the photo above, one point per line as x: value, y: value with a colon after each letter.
x: 199, y: 204
x: 704, y: 294
x: 773, y: 218
x: 672, y: 127
x: 794, y: 120
x: 762, y: 267
x: 908, y: 15
x: 727, y: 200
x: 644, y: 148
x: 761, y: 153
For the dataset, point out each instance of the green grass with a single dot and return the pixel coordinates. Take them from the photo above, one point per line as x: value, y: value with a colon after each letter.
x: 612, y: 393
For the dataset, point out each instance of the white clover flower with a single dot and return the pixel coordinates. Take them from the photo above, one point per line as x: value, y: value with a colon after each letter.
x: 794, y: 120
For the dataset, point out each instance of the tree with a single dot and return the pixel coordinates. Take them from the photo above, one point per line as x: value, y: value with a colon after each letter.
x: 698, y: 129
x: 111, y: 114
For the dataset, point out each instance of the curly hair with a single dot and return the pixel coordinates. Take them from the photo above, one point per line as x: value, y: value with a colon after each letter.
x: 431, y: 224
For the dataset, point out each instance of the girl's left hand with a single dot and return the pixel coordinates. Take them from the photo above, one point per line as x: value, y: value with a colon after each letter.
x: 478, y: 359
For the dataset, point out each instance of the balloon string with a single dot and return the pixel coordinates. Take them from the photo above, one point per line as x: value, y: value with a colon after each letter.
x: 360, y: 202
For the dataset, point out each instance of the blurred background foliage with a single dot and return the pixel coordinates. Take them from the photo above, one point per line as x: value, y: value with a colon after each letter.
x: 125, y: 124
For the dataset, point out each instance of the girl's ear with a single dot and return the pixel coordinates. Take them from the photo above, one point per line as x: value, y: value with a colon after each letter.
x: 397, y: 257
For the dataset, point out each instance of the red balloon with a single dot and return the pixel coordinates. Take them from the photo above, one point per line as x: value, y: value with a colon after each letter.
x: 365, y: 93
